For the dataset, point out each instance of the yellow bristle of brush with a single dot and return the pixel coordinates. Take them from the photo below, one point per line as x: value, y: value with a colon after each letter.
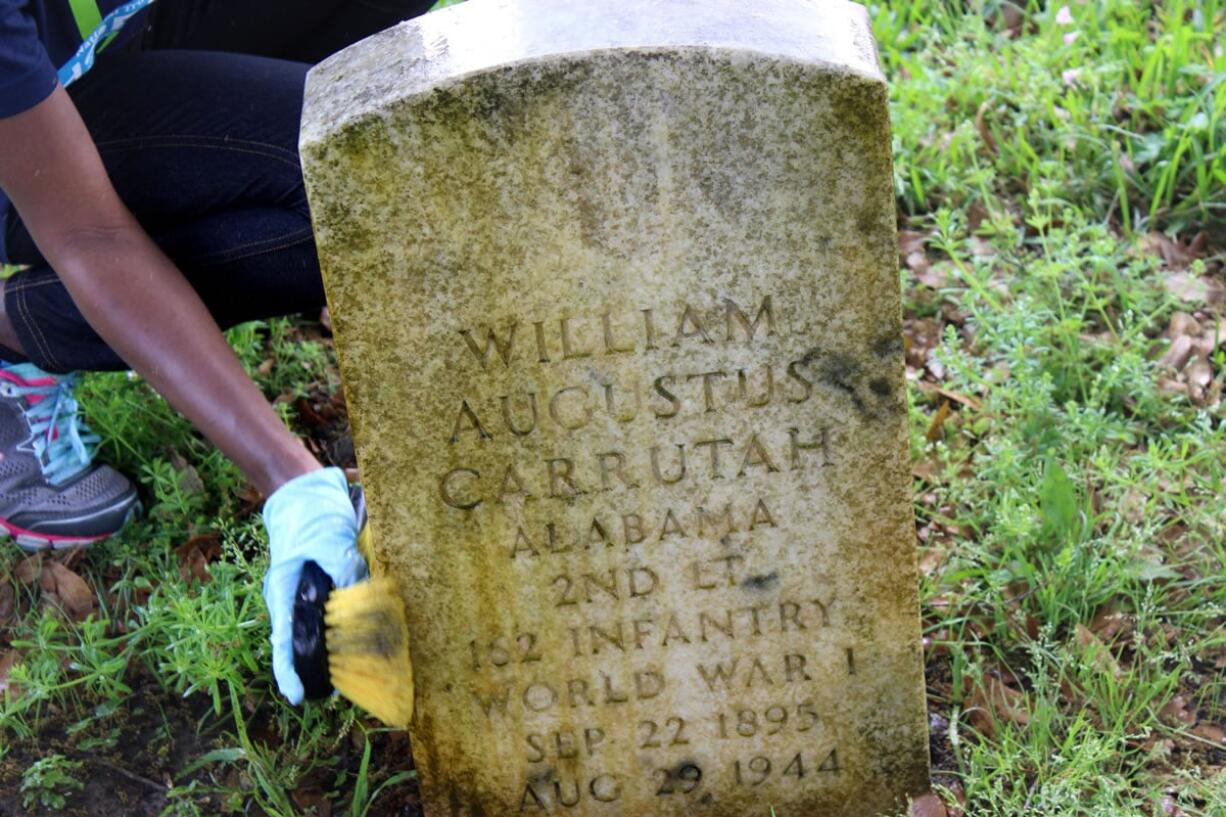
x: 368, y: 646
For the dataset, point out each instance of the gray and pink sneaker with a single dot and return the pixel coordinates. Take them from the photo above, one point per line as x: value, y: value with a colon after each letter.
x: 51, y: 495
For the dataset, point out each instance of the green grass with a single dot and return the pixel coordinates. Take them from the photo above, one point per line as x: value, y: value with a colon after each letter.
x: 1069, y: 505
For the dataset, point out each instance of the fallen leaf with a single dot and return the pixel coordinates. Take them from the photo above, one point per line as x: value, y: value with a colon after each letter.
x: 196, y: 554
x: 1110, y: 623
x: 1177, y: 712
x: 1175, y: 254
x: 312, y: 798
x: 29, y: 569
x: 918, y: 263
x: 1171, y: 808
x: 1013, y: 18
x: 955, y: 396
x: 994, y: 698
x: 1183, y: 324
x: 7, y: 662
x: 74, y: 594
x: 1195, y: 289
x: 1168, y: 386
x: 936, y: 427
x: 1096, y: 651
x: 1200, y: 373
x: 985, y: 133
x: 1212, y: 733
x: 189, y: 479
x: 982, y: 247
x: 928, y: 805
x: 958, y: 807
x: 930, y: 560
x: 910, y: 241
x: 1180, y: 351
x: 7, y: 601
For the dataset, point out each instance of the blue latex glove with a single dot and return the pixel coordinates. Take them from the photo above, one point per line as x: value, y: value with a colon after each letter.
x: 308, y: 518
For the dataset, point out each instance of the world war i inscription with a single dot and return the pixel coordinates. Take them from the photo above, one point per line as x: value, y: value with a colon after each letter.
x: 615, y: 296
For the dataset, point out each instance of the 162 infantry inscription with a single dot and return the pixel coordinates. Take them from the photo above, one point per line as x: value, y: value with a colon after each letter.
x: 615, y: 296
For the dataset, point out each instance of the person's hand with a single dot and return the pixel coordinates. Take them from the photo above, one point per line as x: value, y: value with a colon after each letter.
x: 309, y: 518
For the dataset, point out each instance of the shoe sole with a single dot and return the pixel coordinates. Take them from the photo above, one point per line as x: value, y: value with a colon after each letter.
x: 36, y: 542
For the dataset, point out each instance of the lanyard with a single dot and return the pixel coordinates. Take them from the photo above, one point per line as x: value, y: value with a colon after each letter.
x: 96, y: 32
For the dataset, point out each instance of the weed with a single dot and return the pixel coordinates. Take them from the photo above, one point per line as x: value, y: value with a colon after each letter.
x: 45, y: 782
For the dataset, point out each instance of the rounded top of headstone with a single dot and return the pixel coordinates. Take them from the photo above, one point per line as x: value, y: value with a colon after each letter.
x: 480, y: 35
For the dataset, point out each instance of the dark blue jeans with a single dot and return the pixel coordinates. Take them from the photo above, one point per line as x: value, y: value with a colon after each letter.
x: 202, y: 148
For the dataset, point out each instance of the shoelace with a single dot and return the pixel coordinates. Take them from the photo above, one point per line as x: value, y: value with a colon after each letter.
x: 63, y: 443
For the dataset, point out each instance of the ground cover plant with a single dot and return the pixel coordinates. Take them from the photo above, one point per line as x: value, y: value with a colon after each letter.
x: 1061, y: 181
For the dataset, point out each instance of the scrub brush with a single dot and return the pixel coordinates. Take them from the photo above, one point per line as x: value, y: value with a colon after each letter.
x: 354, y: 639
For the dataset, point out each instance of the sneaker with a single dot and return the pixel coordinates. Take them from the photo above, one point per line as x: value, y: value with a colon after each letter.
x: 51, y: 496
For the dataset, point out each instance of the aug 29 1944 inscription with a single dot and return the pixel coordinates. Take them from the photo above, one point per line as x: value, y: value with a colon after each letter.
x: 615, y: 295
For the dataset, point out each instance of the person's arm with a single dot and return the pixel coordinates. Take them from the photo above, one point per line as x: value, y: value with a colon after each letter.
x: 133, y: 295
x: 139, y: 302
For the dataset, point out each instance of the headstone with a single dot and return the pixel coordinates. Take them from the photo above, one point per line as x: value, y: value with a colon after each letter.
x: 615, y: 295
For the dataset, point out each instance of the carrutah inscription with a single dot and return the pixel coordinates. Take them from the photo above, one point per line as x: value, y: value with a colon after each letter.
x: 714, y: 458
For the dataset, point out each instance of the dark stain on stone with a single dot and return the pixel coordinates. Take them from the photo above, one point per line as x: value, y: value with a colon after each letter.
x: 888, y: 345
x: 762, y: 581
x: 880, y: 387
x: 842, y: 373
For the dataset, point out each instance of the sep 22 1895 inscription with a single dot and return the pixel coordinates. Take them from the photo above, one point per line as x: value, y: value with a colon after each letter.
x: 617, y: 311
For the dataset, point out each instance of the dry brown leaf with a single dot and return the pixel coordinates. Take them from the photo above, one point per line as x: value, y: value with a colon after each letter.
x: 931, y: 559
x: 1109, y: 623
x: 1096, y: 651
x: 994, y: 698
x: 1171, y: 809
x: 1195, y: 289
x: 1180, y: 351
x: 74, y: 594
x: 1177, y: 712
x: 7, y: 661
x: 982, y: 247
x: 7, y: 601
x: 928, y: 805
x: 1200, y: 373
x: 1183, y: 324
x: 1168, y: 386
x: 1212, y: 733
x: 196, y: 554
x: 189, y: 478
x: 958, y: 807
x: 29, y: 569
x: 1175, y: 253
x: 910, y: 241
x: 918, y: 263
x: 959, y: 397
x: 985, y: 133
x: 313, y: 797
x: 936, y: 427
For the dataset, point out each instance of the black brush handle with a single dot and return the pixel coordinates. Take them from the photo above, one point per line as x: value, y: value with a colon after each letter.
x: 310, y: 642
